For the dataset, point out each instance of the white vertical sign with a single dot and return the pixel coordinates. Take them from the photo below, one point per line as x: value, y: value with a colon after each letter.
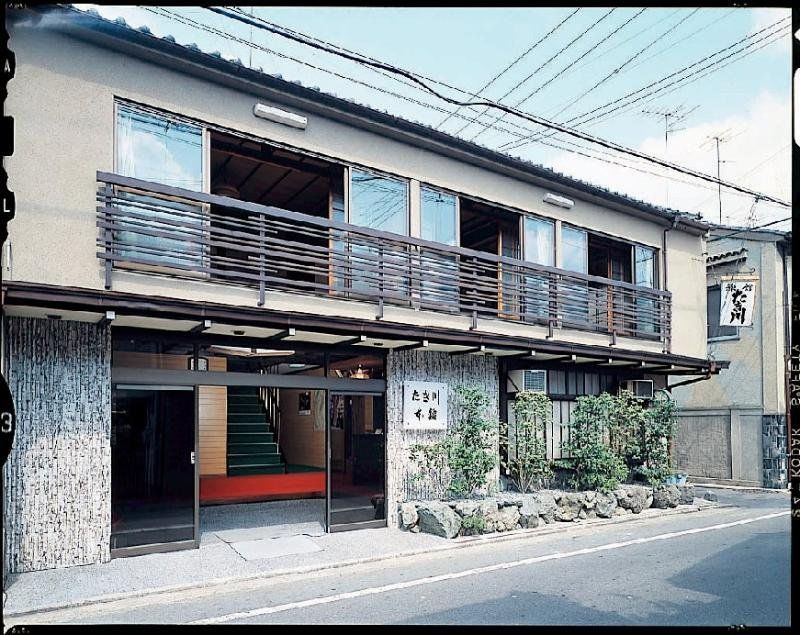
x: 737, y: 302
x: 424, y: 405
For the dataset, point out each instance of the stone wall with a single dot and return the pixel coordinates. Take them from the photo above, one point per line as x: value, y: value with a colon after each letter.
x: 469, y: 370
x: 57, y: 512
x: 773, y: 438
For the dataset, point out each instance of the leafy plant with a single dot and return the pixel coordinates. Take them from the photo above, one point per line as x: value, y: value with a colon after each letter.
x: 596, y: 464
x: 529, y: 468
x: 657, y: 431
x: 461, y: 461
x: 473, y: 524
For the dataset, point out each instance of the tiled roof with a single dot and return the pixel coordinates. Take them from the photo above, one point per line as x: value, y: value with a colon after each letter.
x: 540, y: 170
x: 736, y: 254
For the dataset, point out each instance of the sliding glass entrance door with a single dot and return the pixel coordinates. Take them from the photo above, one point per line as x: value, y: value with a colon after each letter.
x: 152, y: 467
x: 356, y: 461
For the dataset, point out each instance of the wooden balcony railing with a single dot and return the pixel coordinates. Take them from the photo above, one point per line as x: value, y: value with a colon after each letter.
x: 171, y: 231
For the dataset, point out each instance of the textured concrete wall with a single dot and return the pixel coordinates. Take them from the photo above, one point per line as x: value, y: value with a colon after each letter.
x: 703, y: 444
x: 454, y: 370
x: 58, y: 476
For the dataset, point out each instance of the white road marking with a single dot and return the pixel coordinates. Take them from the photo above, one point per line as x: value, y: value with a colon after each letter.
x: 267, y: 610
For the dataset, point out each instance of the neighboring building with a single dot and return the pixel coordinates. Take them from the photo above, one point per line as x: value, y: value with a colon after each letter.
x: 218, y: 284
x: 733, y: 427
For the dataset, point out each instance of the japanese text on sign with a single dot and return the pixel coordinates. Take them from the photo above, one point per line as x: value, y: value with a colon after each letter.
x: 425, y: 405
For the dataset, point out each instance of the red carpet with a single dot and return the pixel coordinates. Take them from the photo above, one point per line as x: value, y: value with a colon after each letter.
x: 261, y: 487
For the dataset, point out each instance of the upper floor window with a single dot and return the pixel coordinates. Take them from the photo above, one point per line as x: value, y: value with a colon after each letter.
x: 378, y: 202
x: 539, y: 241
x: 645, y: 270
x: 575, y: 249
x: 438, y: 211
x: 153, y: 147
x: 712, y: 313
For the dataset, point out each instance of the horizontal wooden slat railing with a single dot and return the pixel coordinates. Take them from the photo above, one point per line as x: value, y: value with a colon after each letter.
x: 170, y: 231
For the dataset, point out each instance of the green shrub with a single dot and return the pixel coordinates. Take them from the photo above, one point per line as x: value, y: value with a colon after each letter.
x: 530, y: 467
x: 474, y: 524
x: 461, y: 461
x: 596, y: 464
x: 657, y: 431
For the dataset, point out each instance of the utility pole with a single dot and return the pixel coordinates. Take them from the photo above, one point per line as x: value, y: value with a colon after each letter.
x: 677, y: 114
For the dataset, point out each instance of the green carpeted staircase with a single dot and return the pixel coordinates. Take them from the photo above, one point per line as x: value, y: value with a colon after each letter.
x: 252, y: 448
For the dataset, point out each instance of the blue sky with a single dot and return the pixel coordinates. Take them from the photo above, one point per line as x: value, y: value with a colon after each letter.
x: 465, y: 47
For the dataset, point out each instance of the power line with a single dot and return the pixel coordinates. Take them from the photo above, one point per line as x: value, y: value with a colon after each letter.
x: 507, y: 68
x: 598, y: 141
x: 576, y: 133
x: 568, y: 66
x: 583, y: 116
x: 749, y: 229
x: 543, y: 64
x: 619, y: 68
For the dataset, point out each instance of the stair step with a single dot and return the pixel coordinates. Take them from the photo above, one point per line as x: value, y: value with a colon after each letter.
x: 254, y: 459
x: 249, y: 427
x: 241, y: 408
x: 253, y: 447
x: 241, y: 470
x: 251, y: 437
x: 247, y: 417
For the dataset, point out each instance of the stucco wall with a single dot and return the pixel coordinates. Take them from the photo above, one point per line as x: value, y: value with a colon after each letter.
x: 58, y: 475
x: 72, y: 133
x: 455, y: 370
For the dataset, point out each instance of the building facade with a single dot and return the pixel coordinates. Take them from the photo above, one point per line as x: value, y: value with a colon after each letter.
x: 227, y: 287
x: 733, y: 427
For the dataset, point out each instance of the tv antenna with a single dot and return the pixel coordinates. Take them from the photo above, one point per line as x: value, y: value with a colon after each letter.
x: 721, y: 137
x: 672, y: 117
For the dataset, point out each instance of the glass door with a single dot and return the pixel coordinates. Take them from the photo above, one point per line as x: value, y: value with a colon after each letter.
x: 356, y: 461
x: 152, y: 467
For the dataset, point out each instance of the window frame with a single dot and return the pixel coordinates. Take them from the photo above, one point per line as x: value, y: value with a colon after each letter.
x: 457, y: 224
x: 524, y: 250
x: 385, y: 175
x: 719, y: 338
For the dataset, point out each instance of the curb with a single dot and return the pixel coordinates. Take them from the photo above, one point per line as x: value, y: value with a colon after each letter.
x: 742, y: 488
x: 457, y: 543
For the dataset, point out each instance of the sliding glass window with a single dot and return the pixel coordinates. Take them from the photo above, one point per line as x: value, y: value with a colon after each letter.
x: 157, y: 230
x: 539, y: 249
x: 378, y: 267
x: 647, y: 309
x: 439, y: 220
x: 574, y: 292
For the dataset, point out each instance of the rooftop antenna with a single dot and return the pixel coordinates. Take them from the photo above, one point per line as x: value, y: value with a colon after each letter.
x: 672, y: 117
x: 721, y: 137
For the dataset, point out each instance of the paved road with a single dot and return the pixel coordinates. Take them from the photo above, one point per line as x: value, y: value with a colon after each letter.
x: 717, y: 567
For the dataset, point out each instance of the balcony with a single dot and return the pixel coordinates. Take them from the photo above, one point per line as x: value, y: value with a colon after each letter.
x: 183, y: 234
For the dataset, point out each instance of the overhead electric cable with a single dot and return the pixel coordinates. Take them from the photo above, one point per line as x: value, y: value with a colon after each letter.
x: 507, y: 68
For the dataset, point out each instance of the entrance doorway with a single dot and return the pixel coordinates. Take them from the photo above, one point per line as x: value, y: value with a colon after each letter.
x: 356, y: 461
x: 153, y: 471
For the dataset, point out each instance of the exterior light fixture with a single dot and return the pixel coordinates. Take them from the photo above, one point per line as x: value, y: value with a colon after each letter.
x: 559, y: 201
x: 270, y: 113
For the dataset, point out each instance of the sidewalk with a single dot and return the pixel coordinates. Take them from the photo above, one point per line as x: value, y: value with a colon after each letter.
x: 218, y: 562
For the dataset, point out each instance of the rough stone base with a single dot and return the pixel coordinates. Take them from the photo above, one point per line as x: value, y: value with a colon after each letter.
x: 773, y: 443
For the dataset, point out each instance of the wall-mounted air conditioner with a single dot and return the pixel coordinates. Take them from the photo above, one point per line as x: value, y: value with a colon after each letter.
x: 641, y: 388
x: 534, y: 380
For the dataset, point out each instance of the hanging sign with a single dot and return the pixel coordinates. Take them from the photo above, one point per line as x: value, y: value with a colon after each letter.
x: 424, y: 405
x: 737, y: 303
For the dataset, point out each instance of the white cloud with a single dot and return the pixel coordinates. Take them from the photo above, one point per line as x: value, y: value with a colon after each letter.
x: 762, y: 18
x: 758, y: 154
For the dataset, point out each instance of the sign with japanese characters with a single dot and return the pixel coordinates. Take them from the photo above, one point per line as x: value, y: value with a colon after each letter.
x: 737, y: 303
x: 424, y: 405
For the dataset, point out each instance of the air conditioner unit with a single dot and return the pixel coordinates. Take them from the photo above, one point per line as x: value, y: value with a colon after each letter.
x: 535, y: 380
x: 641, y: 388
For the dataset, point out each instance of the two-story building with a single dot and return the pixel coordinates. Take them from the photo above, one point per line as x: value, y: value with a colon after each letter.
x: 733, y: 428
x: 219, y: 284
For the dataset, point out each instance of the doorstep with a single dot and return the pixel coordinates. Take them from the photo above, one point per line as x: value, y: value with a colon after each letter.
x: 24, y: 595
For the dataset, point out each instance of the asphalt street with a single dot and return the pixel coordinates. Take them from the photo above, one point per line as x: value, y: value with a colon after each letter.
x: 723, y: 566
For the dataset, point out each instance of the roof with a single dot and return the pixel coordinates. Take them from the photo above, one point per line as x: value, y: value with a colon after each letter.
x: 727, y: 257
x: 118, y: 34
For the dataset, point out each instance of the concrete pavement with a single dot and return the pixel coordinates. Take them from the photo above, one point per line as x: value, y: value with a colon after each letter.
x: 722, y: 566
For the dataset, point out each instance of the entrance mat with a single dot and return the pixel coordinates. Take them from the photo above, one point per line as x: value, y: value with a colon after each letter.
x: 261, y: 487
x: 275, y: 547
x: 271, y: 532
